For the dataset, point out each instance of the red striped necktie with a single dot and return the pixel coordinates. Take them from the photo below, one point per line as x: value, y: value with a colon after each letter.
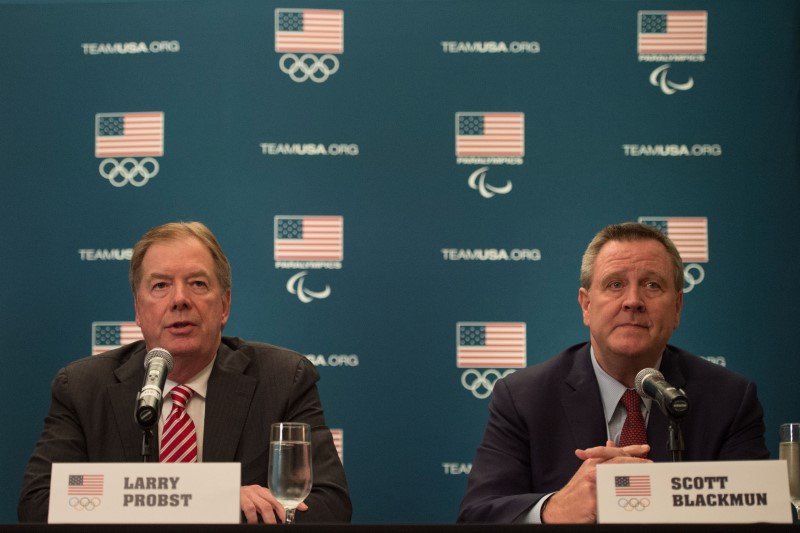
x: 179, y: 438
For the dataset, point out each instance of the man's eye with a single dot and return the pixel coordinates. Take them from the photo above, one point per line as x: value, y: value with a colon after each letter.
x: 160, y: 285
x: 615, y: 285
x: 653, y: 285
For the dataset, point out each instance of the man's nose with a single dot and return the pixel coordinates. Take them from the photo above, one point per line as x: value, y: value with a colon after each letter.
x: 180, y: 297
x: 633, y: 299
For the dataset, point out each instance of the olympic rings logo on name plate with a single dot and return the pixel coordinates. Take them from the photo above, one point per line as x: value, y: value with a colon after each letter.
x: 634, y: 504
x: 129, y: 170
x: 480, y: 384
x: 309, y: 66
x: 690, y: 278
x: 84, y: 503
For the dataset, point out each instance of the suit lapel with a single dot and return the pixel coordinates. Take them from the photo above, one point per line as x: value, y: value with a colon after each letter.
x: 230, y: 393
x: 584, y: 406
x: 582, y: 402
x: 122, y: 396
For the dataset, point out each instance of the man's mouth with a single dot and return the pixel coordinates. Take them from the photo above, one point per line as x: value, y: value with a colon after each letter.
x: 632, y: 325
x: 179, y: 325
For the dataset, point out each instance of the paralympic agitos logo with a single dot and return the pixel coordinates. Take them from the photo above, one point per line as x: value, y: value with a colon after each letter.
x: 309, y: 40
x: 671, y: 37
x: 489, y: 138
x: 308, y: 242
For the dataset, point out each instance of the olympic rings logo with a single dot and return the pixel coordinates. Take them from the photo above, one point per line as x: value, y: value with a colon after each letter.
x: 129, y: 170
x: 482, y: 385
x: 693, y: 275
x: 634, y: 504
x: 84, y: 503
x: 309, y: 66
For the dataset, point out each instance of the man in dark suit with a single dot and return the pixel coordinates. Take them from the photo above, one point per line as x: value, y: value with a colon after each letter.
x: 181, y: 281
x: 551, y: 424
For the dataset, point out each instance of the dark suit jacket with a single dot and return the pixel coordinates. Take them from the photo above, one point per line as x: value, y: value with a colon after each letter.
x: 540, y: 415
x: 252, y: 385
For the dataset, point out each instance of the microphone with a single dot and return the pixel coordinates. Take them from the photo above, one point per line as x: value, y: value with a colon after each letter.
x: 157, y: 363
x: 673, y: 402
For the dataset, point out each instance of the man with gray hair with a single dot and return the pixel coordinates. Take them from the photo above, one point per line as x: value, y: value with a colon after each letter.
x: 551, y: 424
x: 231, y: 389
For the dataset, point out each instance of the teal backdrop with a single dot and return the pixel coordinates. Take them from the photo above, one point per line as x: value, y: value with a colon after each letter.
x: 460, y: 153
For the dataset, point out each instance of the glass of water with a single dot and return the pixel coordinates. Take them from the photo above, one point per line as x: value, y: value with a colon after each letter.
x: 789, y: 450
x: 290, y: 475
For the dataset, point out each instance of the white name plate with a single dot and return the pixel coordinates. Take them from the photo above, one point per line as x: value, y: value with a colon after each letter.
x: 694, y: 493
x: 145, y: 493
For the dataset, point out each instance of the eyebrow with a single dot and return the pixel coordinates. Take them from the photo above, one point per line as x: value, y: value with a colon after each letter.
x: 194, y: 274
x: 645, y: 274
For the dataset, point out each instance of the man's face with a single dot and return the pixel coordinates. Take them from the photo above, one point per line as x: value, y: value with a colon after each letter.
x: 180, y: 305
x: 632, y: 306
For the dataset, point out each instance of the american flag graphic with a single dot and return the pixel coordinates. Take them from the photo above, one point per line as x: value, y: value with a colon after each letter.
x: 85, y: 485
x: 309, y: 238
x: 490, y: 134
x: 673, y: 32
x: 338, y: 441
x: 129, y: 134
x: 690, y: 235
x: 490, y: 345
x: 309, y: 30
x: 632, y: 485
x: 110, y: 335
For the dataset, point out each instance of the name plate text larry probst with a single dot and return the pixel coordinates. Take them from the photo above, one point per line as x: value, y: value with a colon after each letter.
x: 142, y: 493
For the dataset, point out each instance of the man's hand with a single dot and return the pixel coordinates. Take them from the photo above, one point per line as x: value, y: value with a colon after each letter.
x: 256, y: 501
x: 610, y: 451
x: 576, y: 503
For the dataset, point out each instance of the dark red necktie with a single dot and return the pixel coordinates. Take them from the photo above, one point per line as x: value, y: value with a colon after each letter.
x: 633, y: 430
x: 179, y: 438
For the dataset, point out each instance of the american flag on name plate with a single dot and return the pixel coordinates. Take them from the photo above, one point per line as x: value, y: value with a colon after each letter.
x: 85, y: 485
x: 632, y: 486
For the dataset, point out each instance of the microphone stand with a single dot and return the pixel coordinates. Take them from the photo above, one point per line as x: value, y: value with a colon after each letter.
x: 675, y: 440
x: 148, y: 450
x: 672, y: 402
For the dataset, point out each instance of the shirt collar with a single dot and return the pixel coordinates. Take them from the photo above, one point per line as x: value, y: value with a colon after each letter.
x: 198, y: 383
x: 611, y: 390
